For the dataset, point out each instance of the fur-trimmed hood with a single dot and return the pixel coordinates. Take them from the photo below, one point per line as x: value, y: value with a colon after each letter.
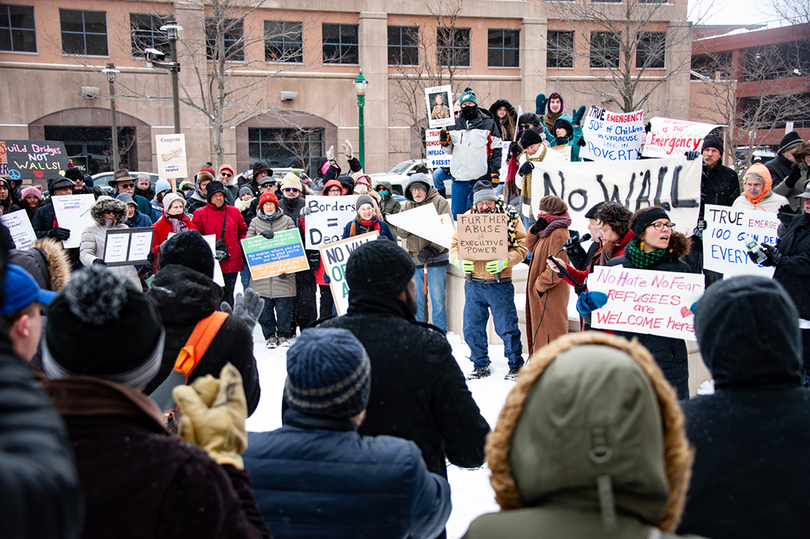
x: 679, y: 244
x: 510, y: 110
x: 592, y: 424
x: 108, y: 203
x: 59, y: 266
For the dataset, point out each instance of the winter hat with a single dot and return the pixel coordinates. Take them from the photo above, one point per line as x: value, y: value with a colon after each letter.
x: 363, y: 199
x: 260, y: 166
x: 360, y: 177
x: 189, y: 249
x: 530, y: 137
x: 529, y: 118
x: 418, y: 179
x: 209, y: 167
x: 227, y: 167
x: 379, y: 266
x: 762, y: 171
x: 553, y: 205
x: 246, y: 190
x: 789, y: 141
x: 101, y: 326
x: 347, y: 182
x: 332, y: 183
x: 21, y: 290
x: 59, y: 183
x: 268, y: 180
x: 161, y: 186
x: 482, y: 190
x: 186, y: 184
x: 213, y: 188
x: 74, y: 173
x: 171, y: 197
x: 328, y: 374
x: 646, y: 219
x: 468, y: 96
x: 126, y: 198
x: 713, y: 141
x: 591, y: 214
x: 268, y: 197
x: 35, y: 190
x: 291, y: 180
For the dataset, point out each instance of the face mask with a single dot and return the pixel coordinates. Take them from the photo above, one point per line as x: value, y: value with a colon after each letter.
x: 383, y: 193
x: 469, y: 113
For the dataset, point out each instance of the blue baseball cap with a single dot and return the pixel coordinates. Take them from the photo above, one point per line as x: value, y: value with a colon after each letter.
x: 21, y: 290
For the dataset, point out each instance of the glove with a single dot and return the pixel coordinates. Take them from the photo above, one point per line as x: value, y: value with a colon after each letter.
x: 526, y: 168
x: 213, y: 414
x: 268, y: 234
x: 540, y: 104
x: 59, y: 233
x: 774, y: 256
x: 538, y: 225
x: 427, y: 253
x: 305, y: 211
x: 99, y: 262
x: 785, y: 208
x: 495, y: 178
x: 247, y: 308
x: 330, y: 154
x: 701, y: 225
x: 794, y: 175
x: 691, y: 155
x: 572, y: 241
x: 444, y: 137
x: 496, y: 266
x: 590, y: 301
x: 347, y: 150
x: 578, y: 114
x: 514, y: 149
x: 467, y: 266
x: 151, y: 258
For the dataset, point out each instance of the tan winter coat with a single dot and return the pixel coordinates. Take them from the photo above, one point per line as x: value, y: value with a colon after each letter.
x: 94, y: 237
x: 281, y: 286
x: 516, y: 254
x: 546, y: 294
x: 412, y: 243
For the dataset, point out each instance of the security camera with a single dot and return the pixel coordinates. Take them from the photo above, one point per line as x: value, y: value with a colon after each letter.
x: 154, y: 55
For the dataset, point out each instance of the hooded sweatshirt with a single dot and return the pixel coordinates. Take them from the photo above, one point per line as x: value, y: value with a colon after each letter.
x: 414, y: 244
x: 551, y: 117
x: 573, y: 137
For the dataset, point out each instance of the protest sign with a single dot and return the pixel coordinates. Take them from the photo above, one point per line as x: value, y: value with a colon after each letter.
x: 282, y: 254
x: 505, y: 159
x: 334, y: 257
x: 673, y: 183
x: 611, y: 136
x: 171, y: 156
x: 327, y: 217
x: 211, y: 240
x: 482, y: 236
x: 128, y: 246
x: 32, y: 159
x: 435, y: 154
x: 646, y: 301
x: 425, y: 222
x: 73, y: 213
x: 19, y: 226
x: 728, y: 230
x: 670, y: 137
x: 439, y: 104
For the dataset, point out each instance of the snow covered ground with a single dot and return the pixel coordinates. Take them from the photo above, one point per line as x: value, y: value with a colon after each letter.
x: 471, y: 491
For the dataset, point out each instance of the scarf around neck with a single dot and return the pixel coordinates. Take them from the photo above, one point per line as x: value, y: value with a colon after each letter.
x: 511, y: 221
x: 639, y: 258
x: 553, y: 222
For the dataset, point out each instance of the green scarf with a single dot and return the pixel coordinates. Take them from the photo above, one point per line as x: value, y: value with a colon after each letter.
x: 639, y: 258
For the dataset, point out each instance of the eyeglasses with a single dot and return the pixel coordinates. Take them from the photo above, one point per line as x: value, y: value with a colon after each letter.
x: 226, y: 175
x: 126, y: 185
x: 290, y: 190
x: 267, y: 185
x: 662, y: 226
x: 525, y: 126
x: 108, y: 212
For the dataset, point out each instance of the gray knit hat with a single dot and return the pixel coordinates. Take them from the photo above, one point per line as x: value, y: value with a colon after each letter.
x: 328, y: 374
x: 482, y: 190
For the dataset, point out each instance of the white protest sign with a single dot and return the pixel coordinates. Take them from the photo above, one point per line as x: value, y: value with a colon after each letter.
x: 425, y: 222
x: 19, y: 226
x: 611, y: 136
x: 672, y: 183
x: 505, y: 159
x: 728, y: 230
x: 327, y: 218
x: 435, y: 154
x: 128, y: 246
x: 73, y: 213
x: 646, y: 301
x: 171, y: 156
x: 670, y: 137
x: 439, y: 106
x: 334, y: 257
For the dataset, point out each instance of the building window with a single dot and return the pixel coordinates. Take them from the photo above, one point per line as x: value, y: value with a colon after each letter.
x: 146, y: 34
x: 232, y: 35
x: 281, y: 148
x: 403, y: 45
x: 283, y: 41
x: 453, y: 46
x: 17, y: 31
x: 560, y: 49
x: 340, y: 44
x: 605, y: 49
x: 84, y: 32
x: 651, y: 50
x: 504, y: 48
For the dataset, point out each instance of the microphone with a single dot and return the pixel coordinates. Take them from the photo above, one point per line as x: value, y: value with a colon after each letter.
x: 573, y: 242
x: 586, y: 237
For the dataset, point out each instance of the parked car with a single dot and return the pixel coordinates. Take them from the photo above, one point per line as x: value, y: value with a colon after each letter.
x: 102, y: 180
x: 399, y: 176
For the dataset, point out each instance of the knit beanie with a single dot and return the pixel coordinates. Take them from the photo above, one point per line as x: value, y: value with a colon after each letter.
x: 291, y: 180
x: 379, y: 266
x: 328, y: 374
x: 161, y: 186
x: 189, y: 249
x: 482, y: 190
x: 227, y: 167
x: 213, y: 188
x: 363, y: 199
x: 530, y: 137
x: 35, y: 190
x: 529, y: 118
x: 789, y: 141
x: 553, y: 205
x: 713, y: 141
x: 646, y: 219
x: 268, y: 197
x: 101, y: 326
x: 246, y: 190
x: 171, y: 197
x: 467, y: 96
x: 74, y: 174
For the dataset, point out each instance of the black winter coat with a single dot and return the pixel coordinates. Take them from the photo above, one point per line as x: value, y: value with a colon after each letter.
x: 780, y: 168
x: 793, y: 269
x: 183, y: 298
x: 719, y: 185
x: 417, y: 390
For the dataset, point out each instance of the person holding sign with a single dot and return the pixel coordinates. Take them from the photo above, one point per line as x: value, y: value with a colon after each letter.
x: 758, y: 195
x: 367, y: 221
x: 109, y: 214
x: 279, y: 291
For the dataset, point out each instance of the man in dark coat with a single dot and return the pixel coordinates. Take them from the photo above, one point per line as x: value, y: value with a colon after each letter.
x: 355, y: 486
x: 751, y: 436
x: 417, y: 392
x: 185, y: 293
x: 783, y: 164
x: 45, y: 224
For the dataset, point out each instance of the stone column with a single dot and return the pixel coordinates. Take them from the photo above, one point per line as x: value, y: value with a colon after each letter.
x: 533, y: 37
x: 374, y: 63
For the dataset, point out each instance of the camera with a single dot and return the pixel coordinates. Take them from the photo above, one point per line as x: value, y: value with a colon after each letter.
x: 153, y: 56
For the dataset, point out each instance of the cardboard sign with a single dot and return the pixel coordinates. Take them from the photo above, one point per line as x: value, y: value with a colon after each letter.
x: 645, y: 301
x: 673, y: 183
x: 482, y: 236
x: 73, y: 213
x: 670, y: 137
x: 425, y: 222
x: 435, y: 153
x: 327, y: 217
x: 128, y: 246
x: 171, y: 156
x: 32, y: 159
x: 728, y: 230
x: 19, y: 226
x: 334, y: 257
x: 439, y: 105
x: 611, y: 136
x: 282, y: 254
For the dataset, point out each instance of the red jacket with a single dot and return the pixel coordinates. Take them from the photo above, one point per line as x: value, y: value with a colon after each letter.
x: 618, y: 250
x: 162, y: 230
x: 208, y: 220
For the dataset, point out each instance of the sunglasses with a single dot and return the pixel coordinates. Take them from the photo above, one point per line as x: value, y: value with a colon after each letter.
x: 457, y: 112
x: 226, y: 175
x: 290, y: 190
x: 108, y: 212
x: 126, y: 185
x: 525, y: 126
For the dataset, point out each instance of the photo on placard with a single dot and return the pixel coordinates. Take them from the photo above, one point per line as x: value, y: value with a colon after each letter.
x: 439, y: 103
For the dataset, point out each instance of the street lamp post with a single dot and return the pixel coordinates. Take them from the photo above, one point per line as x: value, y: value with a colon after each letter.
x: 174, y: 67
x: 110, y: 71
x: 360, y: 87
